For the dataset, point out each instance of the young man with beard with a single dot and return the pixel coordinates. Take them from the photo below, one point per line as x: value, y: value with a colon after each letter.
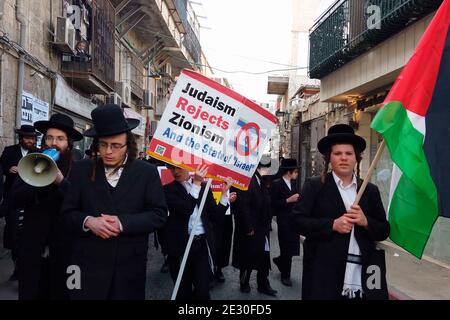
x: 44, y: 246
x: 9, y: 160
x: 114, y: 203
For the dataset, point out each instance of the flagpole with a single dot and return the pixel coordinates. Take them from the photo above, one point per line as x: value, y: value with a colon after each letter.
x: 370, y: 172
x: 191, y: 238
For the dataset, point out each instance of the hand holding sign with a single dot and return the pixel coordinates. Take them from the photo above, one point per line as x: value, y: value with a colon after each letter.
x: 227, y: 185
x: 200, y: 174
x: 205, y: 122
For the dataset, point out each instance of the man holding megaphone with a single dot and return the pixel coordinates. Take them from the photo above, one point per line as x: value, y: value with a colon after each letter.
x: 44, y: 246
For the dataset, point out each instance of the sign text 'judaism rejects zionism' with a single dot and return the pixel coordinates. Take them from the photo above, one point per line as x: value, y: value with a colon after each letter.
x: 207, y: 123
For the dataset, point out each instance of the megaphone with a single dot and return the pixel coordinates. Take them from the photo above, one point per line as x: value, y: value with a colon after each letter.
x: 39, y: 169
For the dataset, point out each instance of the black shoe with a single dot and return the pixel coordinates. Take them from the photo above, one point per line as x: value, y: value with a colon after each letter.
x: 286, y: 281
x: 245, y: 287
x: 269, y: 291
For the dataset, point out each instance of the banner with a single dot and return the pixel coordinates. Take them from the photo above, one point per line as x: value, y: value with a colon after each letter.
x: 207, y: 123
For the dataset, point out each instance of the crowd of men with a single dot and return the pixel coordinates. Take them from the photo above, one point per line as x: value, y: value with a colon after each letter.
x: 99, y: 211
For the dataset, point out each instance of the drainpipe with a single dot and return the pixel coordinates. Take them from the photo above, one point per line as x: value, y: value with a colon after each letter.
x: 2, y: 6
x: 20, y: 16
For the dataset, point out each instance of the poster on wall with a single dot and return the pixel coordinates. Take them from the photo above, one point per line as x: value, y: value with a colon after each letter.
x: 33, y: 109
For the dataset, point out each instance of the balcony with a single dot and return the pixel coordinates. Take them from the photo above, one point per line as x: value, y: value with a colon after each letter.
x: 190, y: 40
x: 94, y: 73
x: 277, y: 85
x: 341, y: 34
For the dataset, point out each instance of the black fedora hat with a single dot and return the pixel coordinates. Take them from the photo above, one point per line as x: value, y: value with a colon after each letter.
x: 289, y: 163
x: 341, y: 134
x: 27, y: 130
x: 110, y: 121
x: 62, y: 122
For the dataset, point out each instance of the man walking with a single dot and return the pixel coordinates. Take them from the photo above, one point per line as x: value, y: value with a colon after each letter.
x: 284, y: 195
x: 9, y: 161
x: 114, y: 203
x: 251, y: 249
x: 43, y: 245
x: 183, y: 199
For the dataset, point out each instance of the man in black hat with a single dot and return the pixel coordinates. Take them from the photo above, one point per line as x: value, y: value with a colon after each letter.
x: 43, y: 244
x: 114, y: 203
x: 252, y: 216
x: 9, y: 160
x: 340, y: 236
x: 284, y: 195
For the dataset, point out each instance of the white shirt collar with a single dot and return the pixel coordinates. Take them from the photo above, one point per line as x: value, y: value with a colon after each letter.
x: 24, y: 151
x: 112, y: 175
x: 288, y: 182
x: 341, y: 184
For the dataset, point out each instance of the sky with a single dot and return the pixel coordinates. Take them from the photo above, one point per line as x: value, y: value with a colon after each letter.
x: 251, y: 36
x: 244, y: 35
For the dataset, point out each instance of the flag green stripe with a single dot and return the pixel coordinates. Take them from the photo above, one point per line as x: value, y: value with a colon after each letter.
x: 411, y: 216
x: 413, y: 208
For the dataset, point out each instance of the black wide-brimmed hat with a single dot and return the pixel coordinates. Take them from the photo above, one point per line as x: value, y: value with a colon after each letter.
x: 110, y: 121
x: 62, y: 122
x: 27, y: 130
x: 289, y: 164
x: 341, y: 134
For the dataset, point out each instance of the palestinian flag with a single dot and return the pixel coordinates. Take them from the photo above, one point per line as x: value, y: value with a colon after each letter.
x: 415, y: 124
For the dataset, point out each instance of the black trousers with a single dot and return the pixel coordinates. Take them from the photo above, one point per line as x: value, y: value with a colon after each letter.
x: 285, y: 264
x: 197, y: 273
x: 262, y: 275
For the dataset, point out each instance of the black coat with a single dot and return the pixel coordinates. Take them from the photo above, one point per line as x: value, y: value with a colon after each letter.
x: 181, y: 206
x: 288, y: 237
x: 251, y: 211
x: 10, y: 158
x: 116, y: 265
x: 42, y: 226
x: 325, y: 251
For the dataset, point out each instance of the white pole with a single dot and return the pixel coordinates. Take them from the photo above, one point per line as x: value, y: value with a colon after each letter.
x: 191, y: 238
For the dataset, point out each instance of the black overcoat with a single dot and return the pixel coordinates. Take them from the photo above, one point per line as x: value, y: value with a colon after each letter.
x: 288, y: 237
x: 42, y: 227
x: 251, y: 211
x: 181, y: 206
x: 115, y: 267
x: 325, y: 251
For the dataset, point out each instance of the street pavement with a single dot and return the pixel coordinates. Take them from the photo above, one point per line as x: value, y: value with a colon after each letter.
x: 159, y: 285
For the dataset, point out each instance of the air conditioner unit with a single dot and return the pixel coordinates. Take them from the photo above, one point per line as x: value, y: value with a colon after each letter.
x: 148, y: 99
x: 64, y: 35
x: 126, y: 93
x: 114, y: 98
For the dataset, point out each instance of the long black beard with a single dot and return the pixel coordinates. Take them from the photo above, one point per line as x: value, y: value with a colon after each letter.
x: 65, y: 161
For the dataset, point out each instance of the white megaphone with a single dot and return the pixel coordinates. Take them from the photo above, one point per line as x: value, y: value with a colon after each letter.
x: 39, y: 169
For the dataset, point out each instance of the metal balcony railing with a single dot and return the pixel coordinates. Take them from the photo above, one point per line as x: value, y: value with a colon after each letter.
x: 344, y: 32
x: 190, y: 40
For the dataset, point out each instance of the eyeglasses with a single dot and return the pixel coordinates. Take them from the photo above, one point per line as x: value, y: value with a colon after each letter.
x: 114, y: 146
x: 52, y: 138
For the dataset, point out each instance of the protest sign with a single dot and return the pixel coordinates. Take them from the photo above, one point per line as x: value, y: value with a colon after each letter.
x: 207, y: 123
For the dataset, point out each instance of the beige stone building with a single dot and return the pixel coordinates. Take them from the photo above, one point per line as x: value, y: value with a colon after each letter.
x: 129, y: 52
x: 357, y: 64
